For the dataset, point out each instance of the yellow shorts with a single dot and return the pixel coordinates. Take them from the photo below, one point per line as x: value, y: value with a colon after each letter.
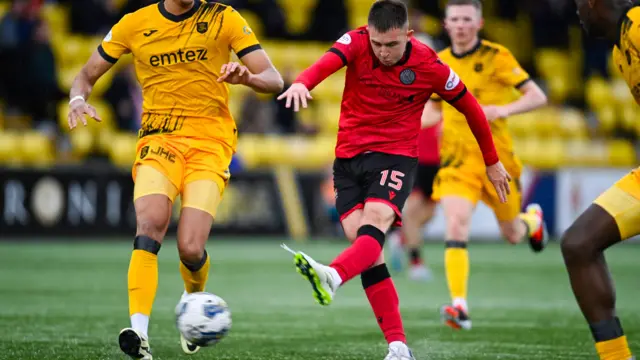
x: 622, y: 202
x: 469, y: 180
x: 198, y: 169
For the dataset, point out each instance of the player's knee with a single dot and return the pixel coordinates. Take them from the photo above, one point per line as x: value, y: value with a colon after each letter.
x: 458, y: 225
x: 153, y: 225
x: 510, y: 232
x: 379, y: 215
x: 191, y: 252
x: 575, y: 245
x: 351, y: 231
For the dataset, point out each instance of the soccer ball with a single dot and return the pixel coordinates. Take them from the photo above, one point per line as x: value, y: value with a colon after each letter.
x: 203, y: 318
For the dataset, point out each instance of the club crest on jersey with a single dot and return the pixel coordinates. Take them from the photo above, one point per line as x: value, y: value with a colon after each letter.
x: 478, y: 67
x: 407, y: 76
x: 202, y: 27
x: 144, y: 151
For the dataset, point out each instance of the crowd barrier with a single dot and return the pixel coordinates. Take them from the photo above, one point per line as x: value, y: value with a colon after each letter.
x: 95, y: 202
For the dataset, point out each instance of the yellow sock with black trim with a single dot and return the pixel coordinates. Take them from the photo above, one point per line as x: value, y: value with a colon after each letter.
x: 142, y: 281
x: 456, y: 262
x: 195, y: 275
x: 611, y: 343
x: 532, y: 222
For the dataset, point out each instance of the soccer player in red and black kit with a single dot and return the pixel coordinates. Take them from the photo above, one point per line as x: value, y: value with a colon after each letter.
x: 390, y: 77
x: 420, y: 207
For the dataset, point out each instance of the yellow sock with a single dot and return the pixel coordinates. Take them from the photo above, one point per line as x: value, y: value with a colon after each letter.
x: 615, y: 349
x: 532, y: 221
x: 143, y: 281
x: 456, y: 261
x: 195, y: 281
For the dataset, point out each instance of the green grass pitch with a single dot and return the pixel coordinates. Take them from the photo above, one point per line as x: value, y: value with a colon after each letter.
x: 69, y: 301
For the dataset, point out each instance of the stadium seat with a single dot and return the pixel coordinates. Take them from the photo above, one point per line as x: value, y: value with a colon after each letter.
x: 607, y: 119
x: 621, y: 153
x: 546, y: 121
x: 82, y: 142
x: 123, y: 149
x: 329, y: 117
x: 57, y: 17
x: 586, y: 152
x: 36, y: 149
x: 558, y: 72
x: 358, y: 12
x: 598, y: 93
x: 620, y: 93
x: 573, y: 123
x: 298, y: 14
x: 104, y: 139
x: 628, y: 115
x: 431, y: 25
x: 10, y: 148
x: 276, y: 151
x: 250, y: 150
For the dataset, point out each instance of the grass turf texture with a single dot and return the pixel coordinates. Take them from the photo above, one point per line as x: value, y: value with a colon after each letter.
x: 69, y: 301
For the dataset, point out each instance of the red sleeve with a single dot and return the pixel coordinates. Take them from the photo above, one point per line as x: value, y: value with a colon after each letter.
x: 340, y: 54
x: 452, y: 90
x: 328, y: 64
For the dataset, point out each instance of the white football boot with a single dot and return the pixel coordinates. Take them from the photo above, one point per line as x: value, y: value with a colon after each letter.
x: 323, y: 279
x: 399, y: 351
x: 420, y: 273
x: 134, y: 344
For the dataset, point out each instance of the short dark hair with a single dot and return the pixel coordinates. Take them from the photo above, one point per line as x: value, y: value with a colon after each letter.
x: 388, y: 14
x: 475, y: 3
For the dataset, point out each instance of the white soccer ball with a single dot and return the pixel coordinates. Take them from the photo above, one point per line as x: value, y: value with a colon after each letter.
x: 203, y: 318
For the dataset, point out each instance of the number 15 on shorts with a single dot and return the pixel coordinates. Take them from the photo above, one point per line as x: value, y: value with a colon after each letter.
x: 392, y: 179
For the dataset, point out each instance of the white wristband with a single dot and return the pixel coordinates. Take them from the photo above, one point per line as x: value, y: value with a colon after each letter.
x: 79, y: 97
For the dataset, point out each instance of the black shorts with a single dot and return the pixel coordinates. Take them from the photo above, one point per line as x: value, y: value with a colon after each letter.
x: 373, y: 177
x: 425, y: 176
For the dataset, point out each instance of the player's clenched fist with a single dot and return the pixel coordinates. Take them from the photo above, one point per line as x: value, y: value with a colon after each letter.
x: 77, y: 109
x: 234, y: 73
x: 298, y: 93
x: 500, y: 179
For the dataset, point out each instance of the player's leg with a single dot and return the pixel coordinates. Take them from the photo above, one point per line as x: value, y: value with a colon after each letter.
x: 419, y: 210
x: 153, y: 197
x: 416, y: 213
x: 458, y: 190
x: 457, y: 211
x: 206, y: 176
x: 514, y: 225
x: 613, y: 217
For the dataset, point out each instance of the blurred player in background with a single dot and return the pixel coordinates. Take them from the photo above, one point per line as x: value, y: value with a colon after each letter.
x: 493, y: 75
x: 181, y: 52
x: 615, y: 215
x: 390, y: 76
x: 420, y: 206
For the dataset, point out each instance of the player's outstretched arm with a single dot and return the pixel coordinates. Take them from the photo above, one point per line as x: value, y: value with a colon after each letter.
x: 532, y: 98
x: 81, y: 89
x: 497, y: 174
x: 299, y: 92
x: 431, y: 114
x: 257, y: 73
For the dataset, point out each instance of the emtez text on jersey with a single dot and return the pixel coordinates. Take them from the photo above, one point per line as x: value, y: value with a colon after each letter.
x: 180, y: 56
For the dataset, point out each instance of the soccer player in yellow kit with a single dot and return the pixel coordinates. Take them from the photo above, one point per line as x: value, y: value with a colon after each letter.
x: 181, y: 52
x: 615, y: 215
x: 500, y: 84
